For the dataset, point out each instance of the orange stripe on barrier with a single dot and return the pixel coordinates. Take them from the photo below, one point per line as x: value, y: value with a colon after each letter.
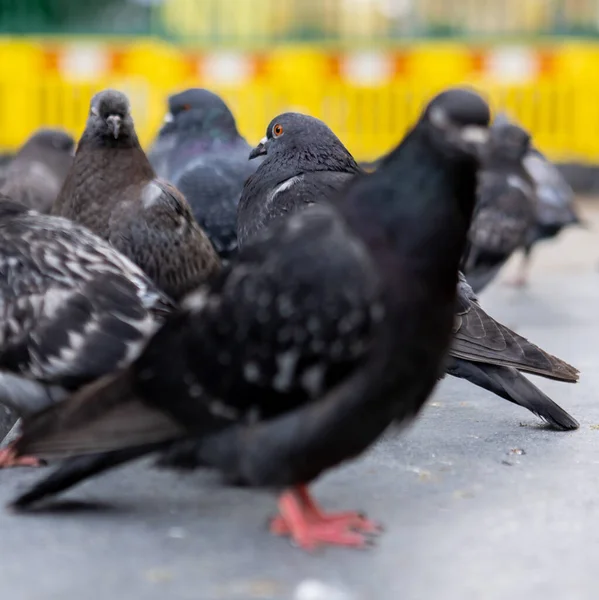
x: 51, y: 62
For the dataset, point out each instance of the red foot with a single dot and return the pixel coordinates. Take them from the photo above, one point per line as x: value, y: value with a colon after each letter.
x: 309, y: 527
x: 8, y: 458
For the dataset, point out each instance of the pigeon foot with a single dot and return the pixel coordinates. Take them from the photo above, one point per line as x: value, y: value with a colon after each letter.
x: 9, y: 458
x: 309, y: 527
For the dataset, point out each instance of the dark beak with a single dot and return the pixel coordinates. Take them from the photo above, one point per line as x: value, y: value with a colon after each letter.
x: 259, y: 150
x: 114, y: 124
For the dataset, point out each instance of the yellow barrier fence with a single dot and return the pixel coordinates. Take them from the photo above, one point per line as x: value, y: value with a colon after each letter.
x: 368, y: 99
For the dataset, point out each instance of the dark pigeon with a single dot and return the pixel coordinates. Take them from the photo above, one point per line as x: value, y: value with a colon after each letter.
x: 555, y: 204
x: 506, y: 206
x: 73, y: 309
x: 489, y: 343
x: 305, y: 161
x: 200, y: 150
x: 36, y: 174
x: 112, y: 189
x: 331, y: 325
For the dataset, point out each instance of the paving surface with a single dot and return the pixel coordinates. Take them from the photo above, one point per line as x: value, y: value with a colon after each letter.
x: 478, y: 499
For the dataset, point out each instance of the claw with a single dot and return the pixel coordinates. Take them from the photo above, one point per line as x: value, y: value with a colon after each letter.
x: 309, y: 527
x: 9, y: 458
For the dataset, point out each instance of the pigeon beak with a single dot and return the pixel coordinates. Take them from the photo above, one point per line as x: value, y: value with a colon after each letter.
x: 260, y: 149
x: 168, y: 118
x: 476, y: 137
x: 114, y: 124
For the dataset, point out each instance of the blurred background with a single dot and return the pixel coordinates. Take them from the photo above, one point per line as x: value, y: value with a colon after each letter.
x: 365, y: 66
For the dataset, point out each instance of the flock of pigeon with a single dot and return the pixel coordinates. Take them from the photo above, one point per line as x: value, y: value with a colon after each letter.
x: 265, y: 312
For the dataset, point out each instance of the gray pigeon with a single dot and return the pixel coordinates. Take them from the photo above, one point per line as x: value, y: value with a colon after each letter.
x: 200, y: 150
x: 72, y: 309
x: 113, y: 190
x: 36, y: 174
x: 280, y: 188
x: 506, y: 206
x: 305, y: 162
x: 555, y: 203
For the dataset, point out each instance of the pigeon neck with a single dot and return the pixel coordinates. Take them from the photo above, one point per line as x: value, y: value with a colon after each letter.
x: 416, y: 216
x: 498, y: 161
x: 106, y: 171
x: 313, y: 160
x: 208, y: 131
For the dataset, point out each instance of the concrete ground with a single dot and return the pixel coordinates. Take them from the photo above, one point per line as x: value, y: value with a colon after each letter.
x: 478, y: 500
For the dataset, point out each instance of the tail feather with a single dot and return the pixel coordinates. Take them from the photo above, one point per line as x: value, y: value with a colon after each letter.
x: 509, y: 384
x: 481, y: 339
x: 104, y: 416
x: 75, y: 470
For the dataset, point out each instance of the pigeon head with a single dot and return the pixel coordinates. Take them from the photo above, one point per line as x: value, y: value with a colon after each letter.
x: 458, y: 122
x: 305, y: 139
x: 198, y: 110
x: 500, y: 120
x: 46, y: 143
x: 508, y: 142
x: 110, y: 116
x: 52, y: 140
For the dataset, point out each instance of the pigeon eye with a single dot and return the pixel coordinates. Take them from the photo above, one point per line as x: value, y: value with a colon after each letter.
x: 186, y: 107
x: 277, y: 130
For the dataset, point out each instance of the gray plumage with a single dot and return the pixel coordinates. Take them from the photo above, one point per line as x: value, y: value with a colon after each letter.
x: 112, y: 189
x: 35, y: 175
x: 555, y: 206
x: 305, y: 162
x: 555, y: 198
x: 506, y: 205
x: 5, y: 160
x: 489, y: 355
x: 73, y: 309
x: 200, y: 150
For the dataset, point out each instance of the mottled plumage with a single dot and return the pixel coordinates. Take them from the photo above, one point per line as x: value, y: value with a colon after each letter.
x: 200, y: 150
x: 72, y: 308
x: 305, y: 162
x: 506, y: 207
x: 36, y: 174
x: 331, y: 325
x: 112, y: 189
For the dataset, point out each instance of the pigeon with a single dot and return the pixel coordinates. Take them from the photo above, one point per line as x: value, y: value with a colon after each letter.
x: 113, y: 190
x: 555, y: 203
x: 36, y: 174
x: 73, y: 309
x: 478, y: 338
x: 304, y: 161
x: 200, y: 150
x: 329, y: 327
x: 506, y: 207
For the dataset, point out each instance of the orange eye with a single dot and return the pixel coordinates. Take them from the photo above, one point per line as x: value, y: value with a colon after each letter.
x: 186, y: 107
x: 277, y: 130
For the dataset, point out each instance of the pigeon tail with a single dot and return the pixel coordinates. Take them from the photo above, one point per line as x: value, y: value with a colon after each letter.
x: 510, y: 385
x: 77, y: 469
